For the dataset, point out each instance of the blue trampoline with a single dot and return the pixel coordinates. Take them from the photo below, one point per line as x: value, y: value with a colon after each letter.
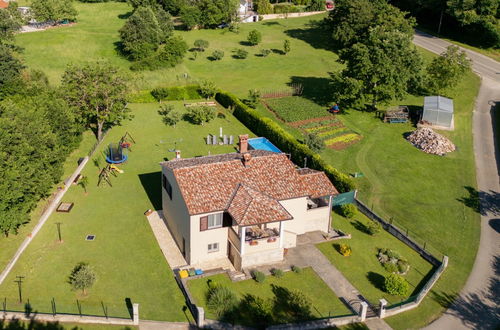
x: 115, y: 154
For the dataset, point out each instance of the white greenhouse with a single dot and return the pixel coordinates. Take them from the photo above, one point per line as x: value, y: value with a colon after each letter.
x: 438, y: 111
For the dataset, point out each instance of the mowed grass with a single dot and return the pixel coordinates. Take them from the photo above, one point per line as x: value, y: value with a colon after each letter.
x: 95, y: 37
x: 125, y: 255
x: 363, y: 269
x: 323, y: 300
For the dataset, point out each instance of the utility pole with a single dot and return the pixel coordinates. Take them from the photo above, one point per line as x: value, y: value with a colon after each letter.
x: 58, y: 224
x: 19, y: 281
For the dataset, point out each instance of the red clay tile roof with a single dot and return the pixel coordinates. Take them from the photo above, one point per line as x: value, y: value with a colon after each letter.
x: 209, y: 183
x: 3, y: 4
x: 251, y: 207
x: 316, y: 182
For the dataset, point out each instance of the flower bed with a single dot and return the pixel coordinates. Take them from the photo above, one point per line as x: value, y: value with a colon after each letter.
x: 393, y: 262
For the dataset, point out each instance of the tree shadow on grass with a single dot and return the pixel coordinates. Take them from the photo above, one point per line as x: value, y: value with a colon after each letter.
x: 478, y: 310
x: 376, y: 280
x: 33, y: 324
x: 360, y: 226
x: 315, y: 34
x: 125, y: 15
x: 481, y: 202
x: 151, y: 182
x: 315, y: 89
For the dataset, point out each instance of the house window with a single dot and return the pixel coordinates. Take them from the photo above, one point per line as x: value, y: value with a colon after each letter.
x: 211, y: 222
x: 214, y: 247
x: 215, y: 220
x: 167, y: 186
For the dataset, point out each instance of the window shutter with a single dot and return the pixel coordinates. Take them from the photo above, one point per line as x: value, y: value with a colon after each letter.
x: 203, y: 223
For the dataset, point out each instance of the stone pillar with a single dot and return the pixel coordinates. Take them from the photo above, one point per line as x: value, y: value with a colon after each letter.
x: 242, y: 241
x: 282, y: 234
x: 200, y: 322
x: 363, y: 310
x: 383, y: 303
x: 445, y: 261
x: 135, y: 308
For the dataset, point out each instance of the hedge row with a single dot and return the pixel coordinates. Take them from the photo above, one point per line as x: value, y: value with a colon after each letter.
x: 263, y: 126
x: 178, y: 93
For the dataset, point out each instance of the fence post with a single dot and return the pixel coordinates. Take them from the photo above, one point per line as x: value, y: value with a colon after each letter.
x: 135, y: 308
x: 364, y: 309
x: 200, y: 321
x: 383, y: 303
x: 445, y: 261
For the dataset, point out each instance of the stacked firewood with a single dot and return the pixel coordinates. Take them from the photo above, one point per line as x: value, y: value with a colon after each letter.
x: 431, y: 142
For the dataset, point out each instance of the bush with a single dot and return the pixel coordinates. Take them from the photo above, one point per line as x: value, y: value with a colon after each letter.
x: 217, y: 55
x: 160, y: 93
x: 347, y: 210
x: 373, y: 227
x: 254, y: 37
x: 345, y: 250
x: 253, y: 98
x: 240, y: 54
x: 285, y: 8
x: 263, y: 126
x: 259, y: 277
x: 208, y: 89
x: 277, y: 272
x: 265, y: 52
x: 314, y: 142
x: 396, y: 285
x: 201, y: 44
x: 221, y: 300
x: 390, y: 267
x: 296, y: 269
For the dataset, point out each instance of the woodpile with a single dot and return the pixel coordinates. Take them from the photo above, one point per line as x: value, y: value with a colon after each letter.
x: 430, y: 142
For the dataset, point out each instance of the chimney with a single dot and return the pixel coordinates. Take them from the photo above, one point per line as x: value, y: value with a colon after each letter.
x: 177, y: 154
x: 243, y: 144
x: 246, y: 159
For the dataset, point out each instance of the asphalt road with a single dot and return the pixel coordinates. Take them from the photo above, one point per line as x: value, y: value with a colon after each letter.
x: 478, y: 304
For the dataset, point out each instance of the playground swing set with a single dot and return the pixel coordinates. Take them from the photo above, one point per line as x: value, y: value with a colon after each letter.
x: 115, y: 154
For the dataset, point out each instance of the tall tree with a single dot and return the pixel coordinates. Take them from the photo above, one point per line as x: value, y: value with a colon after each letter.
x: 53, y: 10
x: 215, y: 12
x: 446, y: 70
x: 381, y: 68
x: 10, y: 23
x: 97, y: 91
x: 10, y: 71
x: 352, y: 21
x: 145, y: 31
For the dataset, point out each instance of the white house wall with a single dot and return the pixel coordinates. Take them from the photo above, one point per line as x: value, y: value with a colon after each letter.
x: 201, y: 239
x: 305, y: 220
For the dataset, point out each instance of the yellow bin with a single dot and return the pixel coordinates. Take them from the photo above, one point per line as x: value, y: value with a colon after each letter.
x: 183, y: 274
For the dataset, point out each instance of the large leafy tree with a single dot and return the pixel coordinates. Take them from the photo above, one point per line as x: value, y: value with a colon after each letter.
x: 380, y: 69
x: 446, y: 70
x: 97, y: 92
x: 352, y: 21
x: 10, y: 22
x: 53, y: 10
x: 215, y: 12
x: 10, y: 71
x: 145, y: 31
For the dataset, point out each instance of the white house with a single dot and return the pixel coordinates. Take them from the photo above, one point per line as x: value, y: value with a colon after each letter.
x: 246, y: 206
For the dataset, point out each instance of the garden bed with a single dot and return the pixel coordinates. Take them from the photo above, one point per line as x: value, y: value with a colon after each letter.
x: 324, y: 303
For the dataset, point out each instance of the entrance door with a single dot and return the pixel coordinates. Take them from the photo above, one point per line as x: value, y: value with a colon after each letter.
x: 230, y: 252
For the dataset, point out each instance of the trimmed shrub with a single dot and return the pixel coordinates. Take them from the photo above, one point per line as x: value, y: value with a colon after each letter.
x: 277, y: 272
x: 345, y: 250
x: 396, y: 285
x: 160, y: 93
x: 296, y: 269
x: 221, y: 300
x: 263, y: 126
x: 347, y: 210
x: 200, y: 115
x: 259, y: 277
x: 254, y: 37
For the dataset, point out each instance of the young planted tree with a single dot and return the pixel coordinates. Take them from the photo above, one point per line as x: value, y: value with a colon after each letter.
x: 200, y: 115
x: 97, y: 92
x: 201, y: 45
x: 253, y: 98
x: 217, y: 55
x: 169, y: 116
x: 240, y: 54
x: 314, y: 142
x: 208, y: 89
x: 254, y: 37
x: 286, y: 46
x: 53, y: 10
x: 84, y: 183
x: 446, y: 70
x: 82, y: 277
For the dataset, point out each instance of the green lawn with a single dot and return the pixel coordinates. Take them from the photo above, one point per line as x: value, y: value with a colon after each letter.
x: 363, y: 269
x: 96, y: 33
x: 323, y: 300
x: 125, y: 254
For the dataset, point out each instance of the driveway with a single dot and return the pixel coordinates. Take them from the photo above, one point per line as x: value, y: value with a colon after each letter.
x: 477, y: 305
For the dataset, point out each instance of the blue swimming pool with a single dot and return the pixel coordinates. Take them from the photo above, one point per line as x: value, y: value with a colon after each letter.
x: 261, y: 143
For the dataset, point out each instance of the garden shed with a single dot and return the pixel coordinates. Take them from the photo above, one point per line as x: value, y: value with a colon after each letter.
x: 438, y: 111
